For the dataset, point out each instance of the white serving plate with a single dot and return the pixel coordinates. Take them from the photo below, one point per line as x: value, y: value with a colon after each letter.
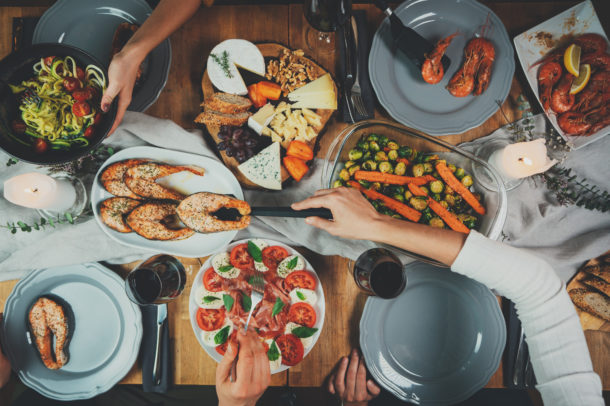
x: 217, y: 179
x: 320, y: 304
x: 577, y: 20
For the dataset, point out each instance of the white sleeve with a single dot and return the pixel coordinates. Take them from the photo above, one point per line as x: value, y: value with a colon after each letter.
x: 558, y: 350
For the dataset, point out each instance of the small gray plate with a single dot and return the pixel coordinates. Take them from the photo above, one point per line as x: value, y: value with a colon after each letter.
x: 437, y: 343
x: 431, y: 108
x: 90, y: 25
x: 106, y: 338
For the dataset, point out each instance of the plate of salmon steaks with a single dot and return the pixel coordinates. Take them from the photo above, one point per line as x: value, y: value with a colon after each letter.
x: 288, y: 319
x: 137, y: 193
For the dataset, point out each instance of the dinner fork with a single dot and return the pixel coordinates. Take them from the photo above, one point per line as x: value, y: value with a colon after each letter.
x: 258, y: 285
x: 356, y: 91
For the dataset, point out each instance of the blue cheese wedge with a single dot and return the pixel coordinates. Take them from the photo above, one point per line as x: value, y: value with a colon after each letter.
x: 240, y: 53
x: 303, y: 295
x: 212, y: 337
x: 208, y: 300
x: 222, y: 265
x: 290, y: 264
x: 276, y: 363
x: 307, y: 342
x: 264, y: 168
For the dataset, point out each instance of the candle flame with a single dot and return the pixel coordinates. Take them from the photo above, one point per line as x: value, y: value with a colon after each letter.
x: 526, y: 161
x: 31, y: 190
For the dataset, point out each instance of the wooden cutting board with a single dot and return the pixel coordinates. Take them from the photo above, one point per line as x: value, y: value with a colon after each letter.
x: 269, y: 51
x: 587, y: 320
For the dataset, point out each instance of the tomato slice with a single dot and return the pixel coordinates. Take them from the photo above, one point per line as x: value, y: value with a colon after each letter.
x: 40, y: 146
x: 222, y: 348
x: 81, y: 108
x: 240, y: 258
x: 81, y: 94
x: 89, y: 132
x: 291, y: 348
x: 273, y: 255
x: 303, y: 314
x: 301, y: 279
x: 212, y: 281
x: 210, y: 319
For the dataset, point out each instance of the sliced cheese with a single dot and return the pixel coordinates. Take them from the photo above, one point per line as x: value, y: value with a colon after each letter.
x: 261, y: 118
x: 242, y: 54
x: 264, y: 168
x: 319, y: 94
x: 208, y: 300
x: 289, y: 265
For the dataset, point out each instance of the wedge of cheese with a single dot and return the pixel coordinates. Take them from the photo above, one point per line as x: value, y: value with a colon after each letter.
x: 242, y: 54
x: 261, y: 118
x: 264, y: 168
x: 319, y: 94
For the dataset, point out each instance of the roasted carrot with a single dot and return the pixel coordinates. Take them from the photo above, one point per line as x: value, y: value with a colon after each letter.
x: 392, y: 204
x: 381, y: 177
x: 456, y: 185
x: 416, y: 190
x: 297, y: 168
x: 449, y: 218
x: 299, y: 149
x: 403, y: 160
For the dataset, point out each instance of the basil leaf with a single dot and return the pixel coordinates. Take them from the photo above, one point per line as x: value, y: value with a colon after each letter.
x: 225, y: 268
x: 300, y: 295
x: 255, y: 252
x: 274, y: 353
x: 228, y: 300
x: 246, y: 302
x: 304, y: 332
x: 209, y: 299
x: 277, y: 307
x: 292, y: 263
x: 222, y: 335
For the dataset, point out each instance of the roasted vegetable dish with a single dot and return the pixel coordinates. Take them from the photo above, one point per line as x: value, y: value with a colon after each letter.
x: 404, y: 183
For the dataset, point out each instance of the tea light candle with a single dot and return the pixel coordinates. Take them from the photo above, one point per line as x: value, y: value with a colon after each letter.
x: 522, y: 159
x: 40, y: 191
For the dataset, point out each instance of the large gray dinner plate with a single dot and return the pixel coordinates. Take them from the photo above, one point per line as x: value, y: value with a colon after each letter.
x: 106, y: 338
x: 438, y: 342
x: 431, y: 108
x: 90, y: 25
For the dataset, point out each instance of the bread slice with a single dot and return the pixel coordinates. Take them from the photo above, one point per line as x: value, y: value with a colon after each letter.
x: 591, y: 302
x: 227, y: 103
x: 602, y: 271
x: 217, y: 118
x: 597, y: 284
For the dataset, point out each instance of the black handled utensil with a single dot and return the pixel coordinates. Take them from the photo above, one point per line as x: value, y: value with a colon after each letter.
x: 413, y: 45
x: 230, y: 214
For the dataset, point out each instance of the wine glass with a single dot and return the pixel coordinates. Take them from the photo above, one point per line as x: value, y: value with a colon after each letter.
x: 323, y: 17
x: 157, y: 280
x: 379, y: 272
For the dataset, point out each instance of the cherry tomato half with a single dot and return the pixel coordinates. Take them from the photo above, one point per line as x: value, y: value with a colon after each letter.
x: 212, y: 281
x: 19, y: 126
x: 49, y: 60
x: 291, y: 348
x: 81, y: 108
x: 81, y: 94
x: 89, y: 132
x: 80, y: 73
x: 301, y: 279
x: 210, y: 319
x: 273, y: 255
x: 240, y: 258
x: 71, y: 84
x: 40, y: 146
x: 303, y: 314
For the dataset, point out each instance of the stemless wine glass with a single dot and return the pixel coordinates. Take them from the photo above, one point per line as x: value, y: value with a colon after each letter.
x: 323, y: 17
x: 379, y: 272
x: 157, y: 280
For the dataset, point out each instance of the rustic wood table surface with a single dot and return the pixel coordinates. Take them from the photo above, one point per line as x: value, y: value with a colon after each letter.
x: 180, y: 102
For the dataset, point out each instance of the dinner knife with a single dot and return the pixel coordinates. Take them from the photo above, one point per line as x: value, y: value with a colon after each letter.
x: 161, y: 318
x: 413, y: 45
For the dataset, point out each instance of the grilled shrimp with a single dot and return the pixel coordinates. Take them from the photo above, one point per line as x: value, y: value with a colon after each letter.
x: 47, y: 318
x: 432, y: 70
x: 112, y: 178
x: 197, y: 212
x: 154, y: 221
x: 140, y: 179
x: 595, y: 94
x: 475, y: 73
x: 548, y: 75
x: 561, y: 99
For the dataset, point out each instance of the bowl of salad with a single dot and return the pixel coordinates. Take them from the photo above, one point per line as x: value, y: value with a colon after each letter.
x: 50, y: 104
x: 415, y: 177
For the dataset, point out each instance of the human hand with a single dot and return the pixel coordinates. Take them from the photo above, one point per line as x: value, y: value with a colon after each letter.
x: 5, y: 366
x: 252, y: 375
x: 353, y: 215
x: 349, y: 382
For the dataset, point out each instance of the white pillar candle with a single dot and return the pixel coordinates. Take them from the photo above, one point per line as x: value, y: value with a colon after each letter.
x: 40, y: 191
x: 522, y: 159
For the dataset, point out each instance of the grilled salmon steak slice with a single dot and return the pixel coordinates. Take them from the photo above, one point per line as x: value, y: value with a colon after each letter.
x: 46, y: 319
x: 154, y: 221
x: 114, y: 210
x: 140, y: 179
x: 112, y: 178
x: 197, y: 212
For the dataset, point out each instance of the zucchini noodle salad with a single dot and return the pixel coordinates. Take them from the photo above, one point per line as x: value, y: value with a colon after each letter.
x: 58, y: 105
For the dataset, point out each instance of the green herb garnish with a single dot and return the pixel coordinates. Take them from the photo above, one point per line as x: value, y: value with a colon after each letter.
x: 304, y: 332
x: 246, y: 302
x: 300, y: 295
x: 277, y: 307
x: 225, y: 268
x: 223, y: 61
x: 274, y: 353
x: 292, y: 263
x: 228, y: 301
x: 255, y: 252
x: 209, y: 299
x: 222, y: 335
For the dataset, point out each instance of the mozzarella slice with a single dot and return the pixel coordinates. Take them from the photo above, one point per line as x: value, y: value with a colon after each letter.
x: 277, y: 364
x: 240, y: 53
x: 260, y: 267
x: 284, y: 268
x: 307, y: 342
x: 221, y: 262
x: 208, y: 300
x: 208, y: 336
x: 303, y: 295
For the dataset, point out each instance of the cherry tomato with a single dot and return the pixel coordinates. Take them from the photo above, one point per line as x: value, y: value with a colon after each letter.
x: 81, y: 108
x: 89, y: 132
x: 81, y: 94
x: 40, y: 146
x: 300, y: 279
x: 97, y: 118
x: 49, y: 60
x: 210, y: 319
x: 273, y: 255
x: 240, y: 258
x: 92, y: 92
x: 222, y: 348
x: 303, y: 314
x: 291, y: 348
x: 212, y: 281
x: 18, y: 126
x: 80, y: 73
x: 71, y: 84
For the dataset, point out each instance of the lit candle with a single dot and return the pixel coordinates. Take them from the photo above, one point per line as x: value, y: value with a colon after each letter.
x: 522, y: 159
x: 39, y: 191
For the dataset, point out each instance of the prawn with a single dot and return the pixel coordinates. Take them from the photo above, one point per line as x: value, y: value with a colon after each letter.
x: 561, y: 99
x: 432, y: 70
x: 548, y: 75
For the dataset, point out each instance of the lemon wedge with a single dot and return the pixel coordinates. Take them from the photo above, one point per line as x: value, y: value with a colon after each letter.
x: 571, y: 59
x: 582, y: 79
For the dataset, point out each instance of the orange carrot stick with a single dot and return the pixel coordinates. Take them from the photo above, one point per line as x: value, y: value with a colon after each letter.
x: 416, y: 190
x: 392, y: 204
x: 452, y: 221
x: 456, y: 185
x: 381, y: 177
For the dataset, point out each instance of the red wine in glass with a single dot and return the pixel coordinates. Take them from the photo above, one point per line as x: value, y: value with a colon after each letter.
x: 379, y: 272
x: 323, y: 17
x: 157, y: 280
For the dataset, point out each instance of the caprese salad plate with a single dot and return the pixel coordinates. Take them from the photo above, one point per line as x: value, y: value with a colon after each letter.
x: 288, y: 320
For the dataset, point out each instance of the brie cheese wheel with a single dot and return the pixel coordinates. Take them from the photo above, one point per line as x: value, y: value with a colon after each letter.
x: 261, y: 118
x: 264, y: 168
x: 307, y: 342
x: 240, y: 53
x: 284, y: 268
x: 221, y: 263
x: 208, y: 300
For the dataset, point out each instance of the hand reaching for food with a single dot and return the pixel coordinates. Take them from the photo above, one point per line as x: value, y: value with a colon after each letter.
x: 349, y: 382
x: 5, y: 366
x: 252, y: 375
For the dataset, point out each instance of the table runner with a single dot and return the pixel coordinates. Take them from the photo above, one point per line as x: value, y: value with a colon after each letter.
x: 564, y: 236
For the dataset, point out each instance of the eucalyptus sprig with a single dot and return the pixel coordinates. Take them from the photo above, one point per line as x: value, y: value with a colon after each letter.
x: 12, y: 161
x: 88, y: 164
x: 39, y: 225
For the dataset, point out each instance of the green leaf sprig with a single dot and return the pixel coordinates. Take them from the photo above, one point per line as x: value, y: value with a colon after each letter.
x: 277, y: 307
x: 39, y: 225
x: 274, y: 353
x: 228, y: 301
x: 223, y: 61
x: 304, y: 332
x: 255, y: 252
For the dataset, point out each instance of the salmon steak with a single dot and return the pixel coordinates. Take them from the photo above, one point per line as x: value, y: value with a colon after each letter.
x: 114, y: 210
x: 141, y: 179
x: 157, y: 221
x: 197, y: 212
x: 49, y: 319
x: 112, y: 178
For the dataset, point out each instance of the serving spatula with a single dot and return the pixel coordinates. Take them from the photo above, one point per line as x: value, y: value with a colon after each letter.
x: 230, y: 214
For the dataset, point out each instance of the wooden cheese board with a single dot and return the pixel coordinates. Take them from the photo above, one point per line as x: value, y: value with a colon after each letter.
x: 269, y: 51
x: 587, y: 320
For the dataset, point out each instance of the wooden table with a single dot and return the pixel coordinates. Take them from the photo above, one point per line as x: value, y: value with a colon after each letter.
x: 180, y: 103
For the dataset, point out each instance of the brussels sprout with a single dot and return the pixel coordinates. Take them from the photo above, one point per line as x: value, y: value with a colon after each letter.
x: 349, y: 163
x: 448, y: 190
x: 400, y: 168
x: 365, y: 183
x: 467, y: 181
x: 373, y: 137
x: 363, y: 145
x: 338, y: 183
x: 438, y: 161
x: 367, y: 155
x: 430, y: 158
x: 426, y: 215
x: 369, y: 165
x: 392, y: 145
x: 398, y: 197
x: 354, y: 154
x: 452, y: 167
x: 383, y: 140
x: 393, y: 154
x: 444, y: 204
x: 394, y: 189
x: 437, y: 197
x: 416, y: 157
x: 425, y: 190
x: 374, y: 146
x: 376, y: 186
x: 376, y: 205
x: 381, y: 156
x: 386, y: 211
x: 385, y: 167
x: 408, y: 194
x: 437, y: 186
x: 459, y: 173
x: 418, y: 203
x: 344, y: 175
x: 450, y: 199
x: 418, y: 170
x: 436, y: 222
x: 405, y: 152
x: 353, y: 169
x: 428, y: 168
x: 468, y: 220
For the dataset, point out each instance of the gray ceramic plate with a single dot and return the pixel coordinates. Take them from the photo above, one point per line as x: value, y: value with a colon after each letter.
x: 106, y: 338
x: 90, y: 25
x: 438, y: 342
x: 431, y: 108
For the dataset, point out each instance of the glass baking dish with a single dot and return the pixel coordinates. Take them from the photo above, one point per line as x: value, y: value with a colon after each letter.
x: 494, y: 198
